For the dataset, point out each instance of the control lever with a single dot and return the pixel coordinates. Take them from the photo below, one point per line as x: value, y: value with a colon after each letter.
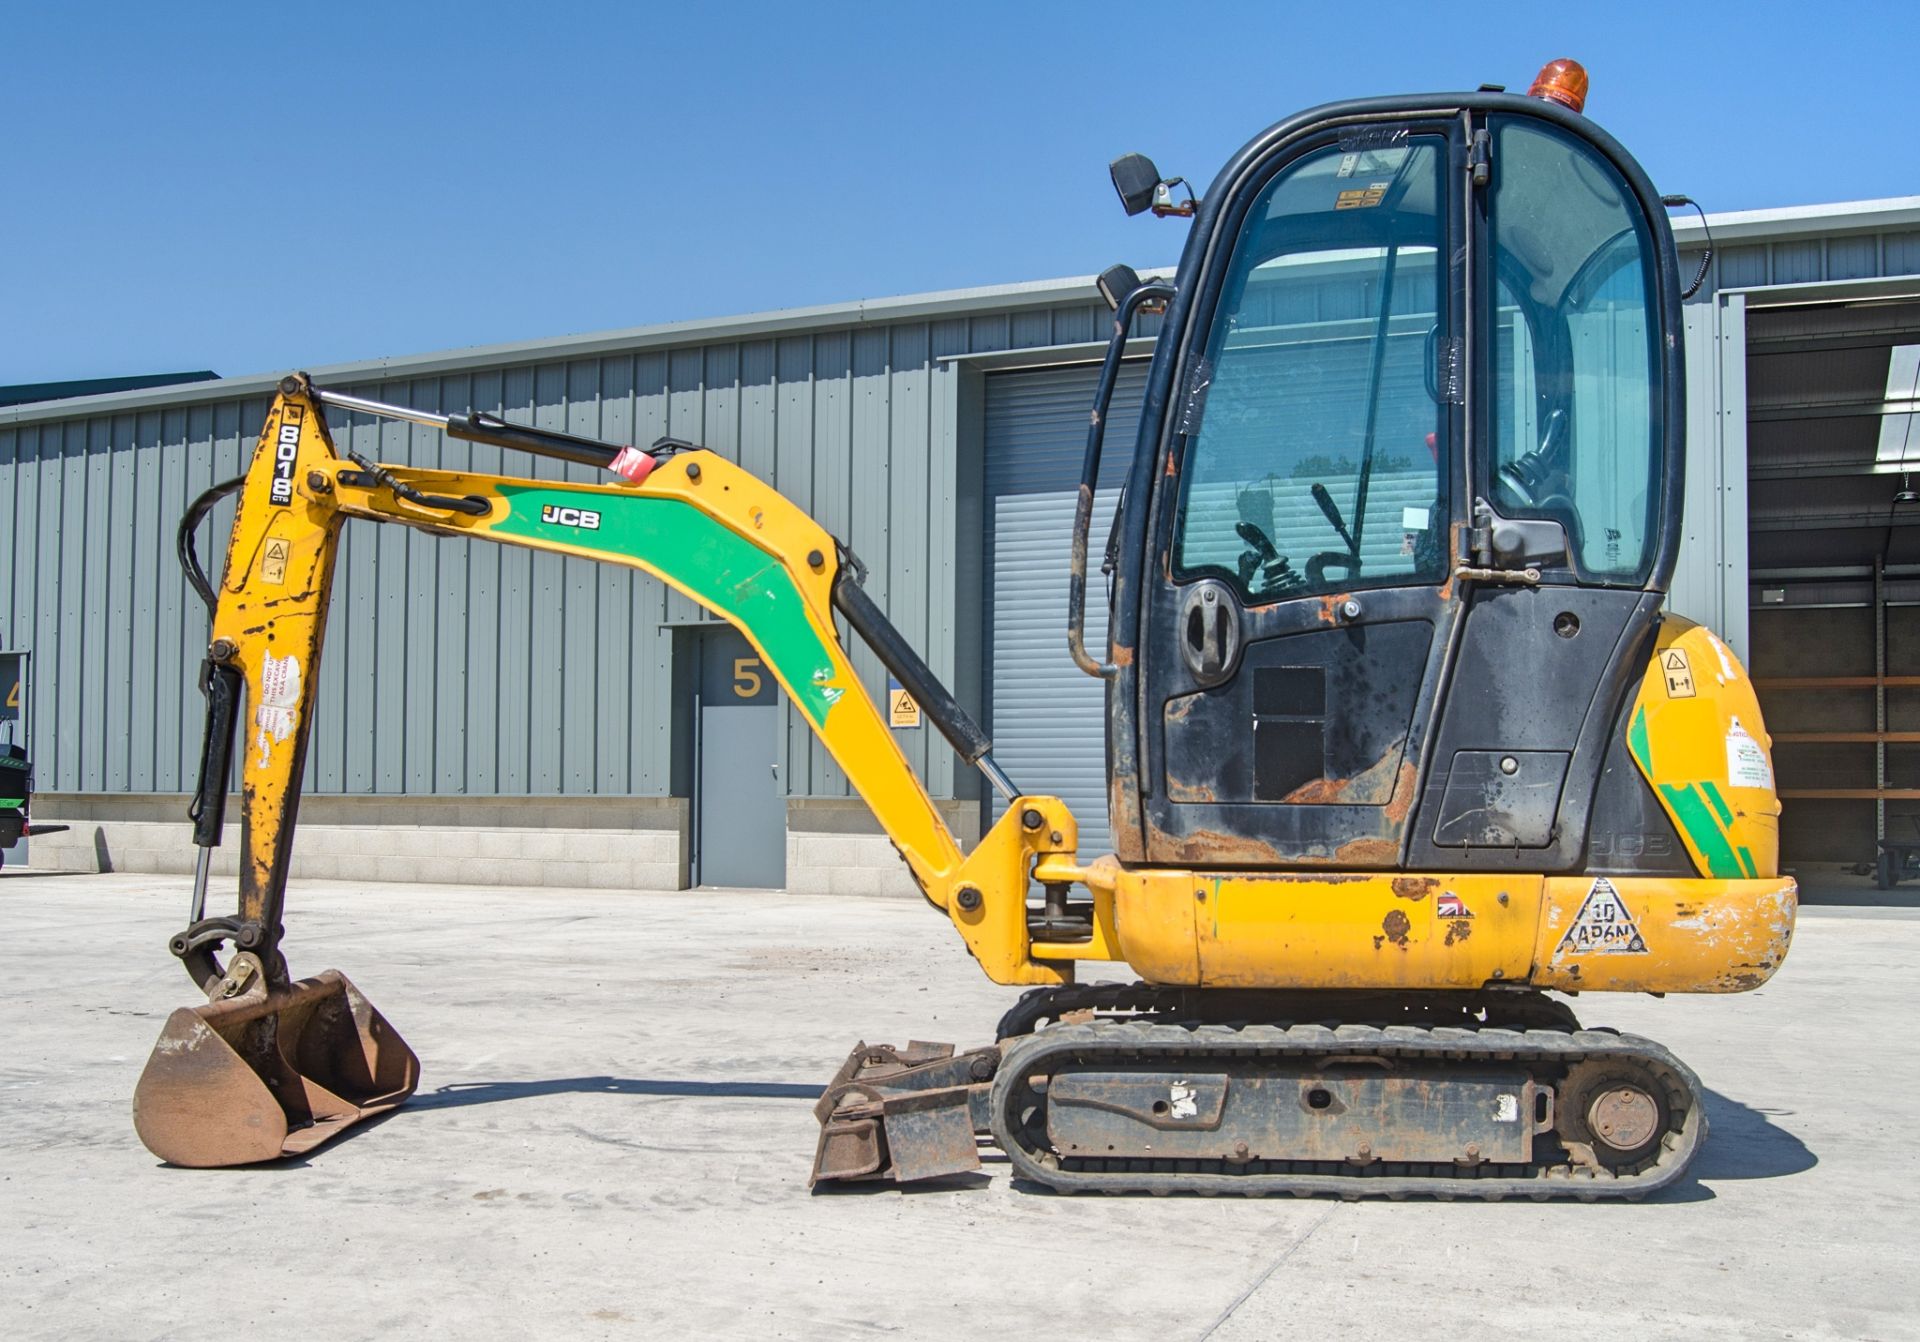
x: 1332, y: 511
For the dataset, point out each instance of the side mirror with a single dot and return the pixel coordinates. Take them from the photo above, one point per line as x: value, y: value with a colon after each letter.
x: 1116, y: 285
x: 1135, y: 179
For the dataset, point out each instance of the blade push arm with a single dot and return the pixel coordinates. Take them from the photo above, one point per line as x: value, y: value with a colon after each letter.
x: 695, y: 521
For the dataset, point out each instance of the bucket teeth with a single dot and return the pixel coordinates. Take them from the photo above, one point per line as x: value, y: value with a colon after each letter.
x: 269, y: 1073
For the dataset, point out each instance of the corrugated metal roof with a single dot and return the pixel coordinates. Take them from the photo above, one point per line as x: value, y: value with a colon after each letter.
x: 866, y: 312
x: 1847, y: 216
x: 1741, y: 225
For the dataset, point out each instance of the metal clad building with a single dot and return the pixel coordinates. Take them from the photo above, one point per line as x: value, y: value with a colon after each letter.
x: 488, y: 713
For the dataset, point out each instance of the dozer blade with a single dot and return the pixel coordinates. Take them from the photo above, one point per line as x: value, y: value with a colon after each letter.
x: 903, y: 1114
x: 264, y: 1073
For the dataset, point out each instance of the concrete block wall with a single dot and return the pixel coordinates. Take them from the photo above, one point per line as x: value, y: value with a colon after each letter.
x: 638, y: 843
x: 836, y: 847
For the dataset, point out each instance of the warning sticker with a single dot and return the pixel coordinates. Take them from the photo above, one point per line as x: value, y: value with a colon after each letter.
x: 1362, y: 198
x: 273, y: 562
x: 1747, y: 764
x: 1603, y: 926
x: 902, y: 711
x: 1679, y: 673
x: 279, y: 697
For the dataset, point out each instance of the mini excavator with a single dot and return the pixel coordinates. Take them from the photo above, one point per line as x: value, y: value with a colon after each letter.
x: 1400, y: 742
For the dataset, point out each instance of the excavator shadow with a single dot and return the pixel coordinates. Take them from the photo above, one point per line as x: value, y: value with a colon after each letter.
x: 463, y: 1093
x: 1742, y: 1143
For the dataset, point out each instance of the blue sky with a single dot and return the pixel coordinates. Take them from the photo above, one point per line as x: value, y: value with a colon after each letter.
x: 192, y: 185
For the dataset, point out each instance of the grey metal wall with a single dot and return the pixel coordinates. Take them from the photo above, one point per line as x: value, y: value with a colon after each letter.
x: 452, y: 667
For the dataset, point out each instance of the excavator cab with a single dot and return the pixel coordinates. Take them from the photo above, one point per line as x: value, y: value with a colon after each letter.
x: 1404, y: 502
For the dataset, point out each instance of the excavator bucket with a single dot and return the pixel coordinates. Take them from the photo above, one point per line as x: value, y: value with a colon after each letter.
x: 264, y: 1073
x: 903, y: 1114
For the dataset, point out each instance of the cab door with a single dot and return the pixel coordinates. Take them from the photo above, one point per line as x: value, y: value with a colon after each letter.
x: 1577, y: 459
x: 1298, y: 624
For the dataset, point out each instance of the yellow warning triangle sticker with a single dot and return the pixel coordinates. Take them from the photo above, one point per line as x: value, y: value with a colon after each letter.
x: 1604, y: 926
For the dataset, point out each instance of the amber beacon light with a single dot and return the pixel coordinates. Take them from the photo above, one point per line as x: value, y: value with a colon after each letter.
x: 1562, y: 81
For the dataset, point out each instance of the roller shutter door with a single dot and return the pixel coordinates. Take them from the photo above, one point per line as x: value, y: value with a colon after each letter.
x: 1048, y: 717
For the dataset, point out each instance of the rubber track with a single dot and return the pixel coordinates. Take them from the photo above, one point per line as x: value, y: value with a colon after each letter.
x: 1102, y: 1042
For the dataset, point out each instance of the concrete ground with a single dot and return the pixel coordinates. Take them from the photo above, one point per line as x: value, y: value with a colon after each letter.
x: 613, y: 1131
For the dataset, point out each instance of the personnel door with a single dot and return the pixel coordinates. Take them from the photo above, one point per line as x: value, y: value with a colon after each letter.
x: 740, y: 806
x: 1299, y: 623
x: 13, y: 749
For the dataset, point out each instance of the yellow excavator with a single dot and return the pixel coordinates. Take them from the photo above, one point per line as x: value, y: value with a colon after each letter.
x: 1400, y: 741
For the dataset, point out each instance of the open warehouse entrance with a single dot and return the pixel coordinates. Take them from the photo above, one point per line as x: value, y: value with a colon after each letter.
x: 1834, y: 554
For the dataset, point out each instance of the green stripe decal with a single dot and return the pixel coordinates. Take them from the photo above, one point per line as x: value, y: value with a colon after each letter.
x: 1698, y: 821
x: 725, y: 572
x: 1637, y: 742
x: 1718, y: 803
x: 1746, y: 861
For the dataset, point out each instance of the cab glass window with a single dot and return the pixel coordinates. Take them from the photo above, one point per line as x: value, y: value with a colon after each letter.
x: 1576, y: 433
x: 1313, y: 423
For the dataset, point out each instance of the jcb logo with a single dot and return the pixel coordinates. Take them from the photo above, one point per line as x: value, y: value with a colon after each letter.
x: 583, y: 518
x: 285, y: 448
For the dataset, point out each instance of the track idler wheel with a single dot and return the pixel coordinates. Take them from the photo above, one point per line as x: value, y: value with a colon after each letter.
x: 1621, y: 1114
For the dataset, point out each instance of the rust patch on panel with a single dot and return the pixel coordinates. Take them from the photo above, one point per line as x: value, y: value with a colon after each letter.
x: 1368, y: 853
x: 1122, y: 655
x: 1396, y: 925
x: 1210, y: 847
x: 1372, y: 786
x: 1458, y: 929
x: 1401, y: 802
x: 1415, y: 888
